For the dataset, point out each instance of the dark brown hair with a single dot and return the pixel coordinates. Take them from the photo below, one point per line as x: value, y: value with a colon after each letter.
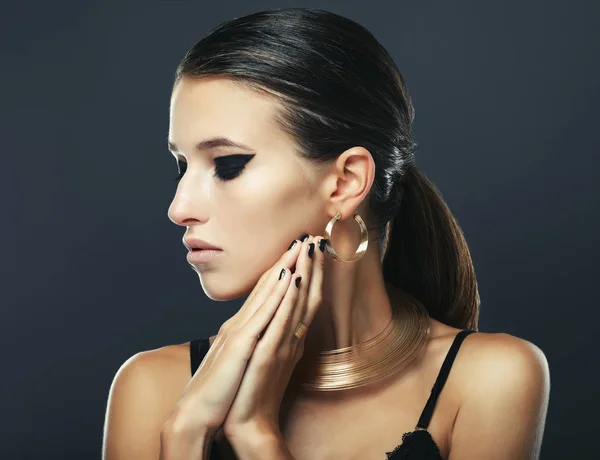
x: 338, y: 88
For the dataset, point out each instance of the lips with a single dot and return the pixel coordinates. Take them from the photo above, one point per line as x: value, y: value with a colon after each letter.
x: 202, y: 257
x: 193, y: 243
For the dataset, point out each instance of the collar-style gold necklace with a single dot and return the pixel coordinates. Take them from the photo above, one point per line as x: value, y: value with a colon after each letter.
x: 389, y: 351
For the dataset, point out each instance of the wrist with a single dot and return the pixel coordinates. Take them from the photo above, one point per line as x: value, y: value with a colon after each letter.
x: 179, y: 443
x: 255, y: 441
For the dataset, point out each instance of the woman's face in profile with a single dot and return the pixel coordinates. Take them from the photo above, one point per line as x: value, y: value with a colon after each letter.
x: 250, y: 202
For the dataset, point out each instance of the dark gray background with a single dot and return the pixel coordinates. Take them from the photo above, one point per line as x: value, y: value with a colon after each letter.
x: 506, y: 96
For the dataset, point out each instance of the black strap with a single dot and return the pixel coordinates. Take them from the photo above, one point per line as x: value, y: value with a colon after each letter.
x: 441, y: 378
x: 198, y: 349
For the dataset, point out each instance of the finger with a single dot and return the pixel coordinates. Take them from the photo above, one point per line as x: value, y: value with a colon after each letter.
x: 266, y: 275
x: 306, y: 269
x: 262, y: 292
x: 260, y: 319
x: 264, y: 287
x: 315, y: 288
x: 279, y: 329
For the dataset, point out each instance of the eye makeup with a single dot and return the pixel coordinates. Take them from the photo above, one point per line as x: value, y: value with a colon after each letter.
x: 227, y: 167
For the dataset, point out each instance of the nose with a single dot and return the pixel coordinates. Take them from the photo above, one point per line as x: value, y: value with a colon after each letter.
x: 187, y: 206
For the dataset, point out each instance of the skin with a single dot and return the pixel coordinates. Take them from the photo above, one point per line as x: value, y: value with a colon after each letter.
x: 254, y: 217
x: 496, y: 378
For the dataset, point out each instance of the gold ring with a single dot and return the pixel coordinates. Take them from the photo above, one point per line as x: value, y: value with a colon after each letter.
x: 300, y: 330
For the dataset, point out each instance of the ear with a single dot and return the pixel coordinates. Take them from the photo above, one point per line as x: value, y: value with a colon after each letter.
x: 348, y: 181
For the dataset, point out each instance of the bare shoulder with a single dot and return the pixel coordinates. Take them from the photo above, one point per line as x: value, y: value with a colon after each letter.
x: 492, y: 356
x: 501, y: 384
x: 171, y: 366
x: 165, y: 366
x: 504, y: 385
x: 490, y: 362
x: 163, y: 371
x: 142, y: 396
x: 498, y: 351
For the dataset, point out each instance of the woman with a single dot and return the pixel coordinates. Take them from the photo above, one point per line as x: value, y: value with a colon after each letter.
x: 294, y: 126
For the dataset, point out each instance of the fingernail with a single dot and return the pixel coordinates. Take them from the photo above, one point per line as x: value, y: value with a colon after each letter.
x: 322, y: 244
x: 298, y: 281
x: 292, y: 245
x: 311, y: 249
x: 282, y: 273
x: 304, y: 237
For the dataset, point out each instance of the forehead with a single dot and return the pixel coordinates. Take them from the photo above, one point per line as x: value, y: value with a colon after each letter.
x: 214, y: 106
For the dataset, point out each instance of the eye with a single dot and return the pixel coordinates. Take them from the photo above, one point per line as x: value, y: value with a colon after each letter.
x: 227, y: 167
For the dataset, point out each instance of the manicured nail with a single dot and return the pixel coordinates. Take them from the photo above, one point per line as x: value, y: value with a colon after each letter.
x: 304, y: 237
x: 311, y: 249
x: 282, y: 273
x: 298, y: 281
x: 322, y: 244
x: 292, y: 245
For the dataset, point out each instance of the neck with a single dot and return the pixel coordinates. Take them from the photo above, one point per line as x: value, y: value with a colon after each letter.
x: 355, y: 306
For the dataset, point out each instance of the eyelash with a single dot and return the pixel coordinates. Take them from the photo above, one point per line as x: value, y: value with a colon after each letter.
x: 223, y: 175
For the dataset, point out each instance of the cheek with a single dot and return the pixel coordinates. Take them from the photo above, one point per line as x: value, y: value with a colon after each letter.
x: 258, y: 217
x: 264, y: 205
x: 274, y: 214
x: 266, y: 219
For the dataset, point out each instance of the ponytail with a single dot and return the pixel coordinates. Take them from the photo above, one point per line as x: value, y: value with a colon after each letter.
x: 427, y: 255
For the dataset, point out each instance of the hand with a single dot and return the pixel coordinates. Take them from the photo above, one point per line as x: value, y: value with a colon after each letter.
x: 212, y: 389
x: 258, y: 400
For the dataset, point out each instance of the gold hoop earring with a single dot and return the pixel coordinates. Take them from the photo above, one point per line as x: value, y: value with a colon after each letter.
x: 362, y: 247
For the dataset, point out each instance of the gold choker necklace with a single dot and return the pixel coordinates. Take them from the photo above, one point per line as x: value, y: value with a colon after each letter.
x: 389, y: 351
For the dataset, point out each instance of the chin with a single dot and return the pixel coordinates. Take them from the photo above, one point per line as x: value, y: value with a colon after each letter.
x: 222, y: 292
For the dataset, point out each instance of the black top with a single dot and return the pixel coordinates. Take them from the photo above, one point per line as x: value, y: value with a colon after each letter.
x: 416, y: 445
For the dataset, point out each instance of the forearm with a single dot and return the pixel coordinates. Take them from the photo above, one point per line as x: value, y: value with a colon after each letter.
x: 178, y: 445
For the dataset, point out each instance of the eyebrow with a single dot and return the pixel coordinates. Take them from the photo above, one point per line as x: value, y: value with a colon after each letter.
x: 213, y: 143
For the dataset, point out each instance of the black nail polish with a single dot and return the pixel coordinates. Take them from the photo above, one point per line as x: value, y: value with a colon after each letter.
x: 298, y: 281
x: 292, y: 245
x: 322, y: 245
x: 282, y: 273
x: 304, y: 237
x: 311, y: 250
